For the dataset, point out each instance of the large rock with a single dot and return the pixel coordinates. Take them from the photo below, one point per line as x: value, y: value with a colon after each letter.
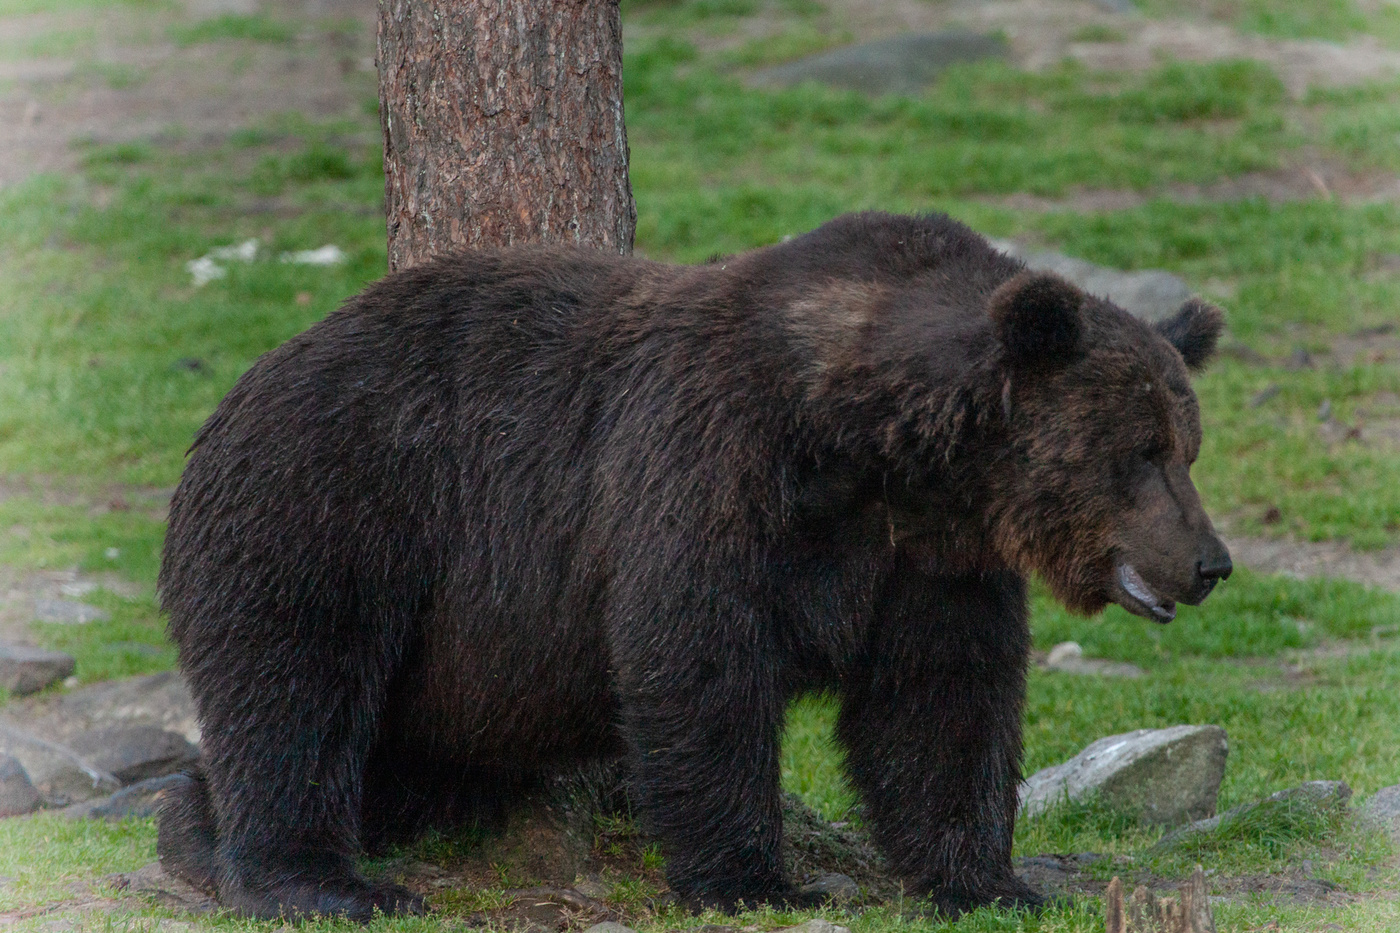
x: 898, y: 65
x: 29, y: 670
x: 160, y: 700
x: 135, y: 753
x: 1162, y: 776
x: 1149, y: 294
x: 18, y: 795
x: 60, y: 774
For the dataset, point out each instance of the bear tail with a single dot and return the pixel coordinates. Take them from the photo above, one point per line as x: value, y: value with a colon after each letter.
x: 188, y: 832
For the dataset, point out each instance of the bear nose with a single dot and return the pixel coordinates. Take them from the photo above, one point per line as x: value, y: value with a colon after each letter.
x: 1215, y: 568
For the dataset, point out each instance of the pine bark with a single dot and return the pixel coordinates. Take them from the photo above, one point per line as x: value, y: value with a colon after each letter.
x: 503, y: 125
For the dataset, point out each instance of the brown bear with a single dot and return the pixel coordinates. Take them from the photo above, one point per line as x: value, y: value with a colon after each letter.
x: 511, y: 512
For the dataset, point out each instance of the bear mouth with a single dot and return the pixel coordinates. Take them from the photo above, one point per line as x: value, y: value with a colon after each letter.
x: 1134, y: 595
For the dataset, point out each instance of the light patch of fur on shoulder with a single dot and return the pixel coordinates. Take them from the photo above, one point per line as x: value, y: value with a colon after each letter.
x: 826, y: 322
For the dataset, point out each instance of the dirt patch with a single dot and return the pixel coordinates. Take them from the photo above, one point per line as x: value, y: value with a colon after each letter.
x: 1318, y: 559
x: 1324, y: 179
x: 132, y: 82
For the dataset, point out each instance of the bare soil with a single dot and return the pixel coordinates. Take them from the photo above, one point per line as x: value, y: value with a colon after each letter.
x: 1307, y: 179
x: 129, y: 80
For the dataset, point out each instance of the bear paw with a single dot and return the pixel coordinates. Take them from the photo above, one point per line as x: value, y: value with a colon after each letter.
x: 1009, y: 894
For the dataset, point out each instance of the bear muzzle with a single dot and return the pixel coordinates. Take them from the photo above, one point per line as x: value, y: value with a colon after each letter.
x: 1131, y: 589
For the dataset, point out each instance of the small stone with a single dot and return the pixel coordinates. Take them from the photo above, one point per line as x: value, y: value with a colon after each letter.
x: 1264, y: 395
x: 29, y: 670
x: 1299, y: 359
x: 609, y: 926
x: 17, y: 793
x: 68, y: 612
x: 833, y: 885
x: 1162, y: 776
x: 1068, y: 657
x: 1331, y: 794
x: 135, y: 753
x: 899, y: 65
x: 1064, y: 651
x: 1382, y: 809
x: 592, y: 886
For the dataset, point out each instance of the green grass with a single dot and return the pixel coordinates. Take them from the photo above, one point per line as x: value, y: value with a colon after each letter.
x: 253, y: 28
x: 42, y: 857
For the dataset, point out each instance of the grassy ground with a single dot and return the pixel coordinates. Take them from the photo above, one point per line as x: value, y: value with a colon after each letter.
x: 110, y: 358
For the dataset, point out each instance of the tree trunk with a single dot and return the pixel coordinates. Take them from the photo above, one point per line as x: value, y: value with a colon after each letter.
x: 502, y: 125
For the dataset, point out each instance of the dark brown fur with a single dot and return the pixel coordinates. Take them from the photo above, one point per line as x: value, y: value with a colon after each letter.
x: 515, y: 511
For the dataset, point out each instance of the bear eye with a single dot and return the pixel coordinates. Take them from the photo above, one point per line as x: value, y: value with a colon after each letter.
x: 1154, y: 452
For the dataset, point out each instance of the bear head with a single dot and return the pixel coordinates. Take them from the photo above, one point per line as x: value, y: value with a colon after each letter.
x: 1094, y: 491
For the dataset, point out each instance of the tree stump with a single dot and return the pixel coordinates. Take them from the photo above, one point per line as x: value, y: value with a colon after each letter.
x: 1188, y: 912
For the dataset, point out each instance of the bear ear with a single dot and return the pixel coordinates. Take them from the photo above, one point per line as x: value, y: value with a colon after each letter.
x: 1037, y: 318
x: 1193, y: 330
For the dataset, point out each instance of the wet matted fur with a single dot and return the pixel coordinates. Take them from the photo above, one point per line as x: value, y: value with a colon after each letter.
x: 511, y: 512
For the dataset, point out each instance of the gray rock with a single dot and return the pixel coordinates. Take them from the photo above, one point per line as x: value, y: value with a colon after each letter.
x: 135, y: 753
x: 1068, y: 657
x: 29, y: 670
x: 67, y: 612
x: 60, y: 774
x: 898, y: 65
x: 139, y: 800
x: 1163, y: 776
x: 833, y: 885
x: 816, y: 925
x: 1331, y: 794
x: 155, y: 700
x: 1151, y: 295
x: 18, y: 794
x: 1383, y: 810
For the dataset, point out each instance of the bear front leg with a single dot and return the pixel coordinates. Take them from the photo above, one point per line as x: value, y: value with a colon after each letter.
x: 932, y: 727
x: 702, y: 712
